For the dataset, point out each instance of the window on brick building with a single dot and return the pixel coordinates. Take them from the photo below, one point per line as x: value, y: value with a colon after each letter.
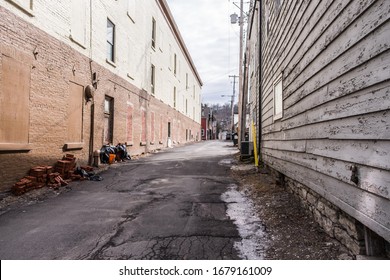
x: 75, y: 115
x: 174, y: 97
x: 110, y: 41
x: 152, y: 128
x: 143, y: 132
x: 152, y: 79
x: 14, y: 104
x: 153, y: 33
x: 108, y: 119
x: 129, y: 124
x: 175, y: 64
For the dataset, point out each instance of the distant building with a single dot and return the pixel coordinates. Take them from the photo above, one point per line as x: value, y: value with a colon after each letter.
x: 318, y: 73
x: 77, y: 74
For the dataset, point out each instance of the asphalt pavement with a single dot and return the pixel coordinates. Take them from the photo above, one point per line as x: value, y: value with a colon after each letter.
x: 169, y: 205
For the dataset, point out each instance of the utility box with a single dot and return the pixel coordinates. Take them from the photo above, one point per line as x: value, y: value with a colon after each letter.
x: 246, y: 148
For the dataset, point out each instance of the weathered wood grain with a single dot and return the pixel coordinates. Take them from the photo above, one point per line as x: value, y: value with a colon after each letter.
x: 370, y: 153
x: 371, y: 210
x: 338, y: 37
x: 376, y: 181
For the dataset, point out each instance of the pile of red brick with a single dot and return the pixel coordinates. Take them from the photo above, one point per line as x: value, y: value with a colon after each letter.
x: 54, y: 177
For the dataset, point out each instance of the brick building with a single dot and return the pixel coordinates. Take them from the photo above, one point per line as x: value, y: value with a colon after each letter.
x: 75, y: 75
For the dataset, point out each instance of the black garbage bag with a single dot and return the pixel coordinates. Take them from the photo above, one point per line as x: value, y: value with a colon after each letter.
x: 122, y: 153
x: 105, y: 152
x: 88, y: 175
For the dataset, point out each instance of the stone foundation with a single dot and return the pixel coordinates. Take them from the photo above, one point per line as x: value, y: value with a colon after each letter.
x: 333, y: 221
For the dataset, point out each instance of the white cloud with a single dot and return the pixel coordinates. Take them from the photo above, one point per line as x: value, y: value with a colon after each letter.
x: 212, y: 41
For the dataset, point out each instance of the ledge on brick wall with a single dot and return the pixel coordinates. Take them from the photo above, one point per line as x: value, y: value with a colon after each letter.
x: 73, y: 146
x: 142, y: 143
x: 151, y: 143
x: 161, y: 142
x: 129, y: 144
x: 15, y: 147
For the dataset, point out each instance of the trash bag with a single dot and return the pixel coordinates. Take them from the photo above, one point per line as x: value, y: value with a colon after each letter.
x: 122, y: 152
x: 105, y: 152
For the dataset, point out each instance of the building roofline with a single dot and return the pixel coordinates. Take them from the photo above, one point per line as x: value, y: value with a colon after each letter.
x: 172, y: 24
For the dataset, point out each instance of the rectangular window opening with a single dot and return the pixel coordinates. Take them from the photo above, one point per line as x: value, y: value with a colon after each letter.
x: 110, y: 41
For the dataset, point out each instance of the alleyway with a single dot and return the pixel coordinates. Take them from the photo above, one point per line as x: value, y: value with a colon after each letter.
x: 182, y: 203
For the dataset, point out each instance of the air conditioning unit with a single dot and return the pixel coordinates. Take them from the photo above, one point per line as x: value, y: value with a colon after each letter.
x: 246, y: 148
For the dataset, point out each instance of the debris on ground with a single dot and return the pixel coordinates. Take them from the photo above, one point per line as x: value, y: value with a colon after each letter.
x: 61, y: 174
x: 293, y: 233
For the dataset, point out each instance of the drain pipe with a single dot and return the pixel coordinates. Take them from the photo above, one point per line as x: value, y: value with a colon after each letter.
x: 260, y: 41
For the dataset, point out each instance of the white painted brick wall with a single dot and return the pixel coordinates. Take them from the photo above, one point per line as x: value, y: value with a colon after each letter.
x: 134, y: 53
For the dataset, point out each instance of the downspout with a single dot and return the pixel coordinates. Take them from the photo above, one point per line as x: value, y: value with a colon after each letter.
x: 92, y: 124
x: 260, y: 79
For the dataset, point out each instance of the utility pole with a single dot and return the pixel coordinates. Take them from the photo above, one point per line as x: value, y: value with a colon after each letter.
x: 234, y: 94
x: 241, y: 110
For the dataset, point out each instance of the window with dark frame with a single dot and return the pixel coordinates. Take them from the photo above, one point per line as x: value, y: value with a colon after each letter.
x: 152, y: 79
x: 110, y: 41
x: 153, y: 33
x: 174, y: 64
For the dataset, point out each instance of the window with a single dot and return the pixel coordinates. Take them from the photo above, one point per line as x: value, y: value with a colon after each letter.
x: 152, y: 79
x: 152, y: 128
x: 14, y: 104
x: 186, y: 81
x: 129, y: 123
x: 108, y: 119
x: 174, y: 64
x: 153, y: 33
x: 110, y: 41
x: 174, y: 97
x: 75, y: 114
x: 143, y: 132
x: 278, y: 98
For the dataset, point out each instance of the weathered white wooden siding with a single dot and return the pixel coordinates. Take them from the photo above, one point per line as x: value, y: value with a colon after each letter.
x: 335, y: 60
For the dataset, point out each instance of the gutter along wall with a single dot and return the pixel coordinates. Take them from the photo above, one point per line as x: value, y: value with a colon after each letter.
x: 46, y: 63
x: 331, y: 139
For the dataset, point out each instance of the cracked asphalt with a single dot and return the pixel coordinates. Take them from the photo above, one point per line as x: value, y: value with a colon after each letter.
x: 165, y: 206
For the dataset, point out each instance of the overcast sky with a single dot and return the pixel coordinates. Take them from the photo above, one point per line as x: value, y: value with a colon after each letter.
x: 213, y: 43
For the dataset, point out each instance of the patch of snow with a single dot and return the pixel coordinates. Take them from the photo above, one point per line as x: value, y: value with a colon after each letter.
x: 241, y: 210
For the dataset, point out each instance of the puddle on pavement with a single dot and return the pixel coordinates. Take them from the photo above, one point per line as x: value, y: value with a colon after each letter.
x: 241, y: 210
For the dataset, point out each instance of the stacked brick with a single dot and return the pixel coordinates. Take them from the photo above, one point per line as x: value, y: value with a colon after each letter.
x: 54, y: 177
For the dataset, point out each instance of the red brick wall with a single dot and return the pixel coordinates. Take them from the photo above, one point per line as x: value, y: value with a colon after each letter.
x: 52, y: 69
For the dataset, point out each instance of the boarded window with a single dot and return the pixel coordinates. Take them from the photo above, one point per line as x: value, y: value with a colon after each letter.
x: 108, y: 120
x: 14, y: 102
x: 79, y: 21
x: 75, y: 114
x: 174, y: 97
x: 129, y: 123
x: 152, y: 123
x: 278, y: 99
x: 143, y: 132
